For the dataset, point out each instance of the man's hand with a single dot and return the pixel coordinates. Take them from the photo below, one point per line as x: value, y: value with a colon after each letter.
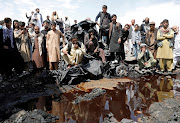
x: 97, y: 23
x: 165, y: 35
x: 143, y: 50
x: 5, y: 47
x: 145, y: 63
x: 64, y: 45
x: 92, y: 37
x: 90, y: 43
x: 65, y: 52
x: 76, y: 46
x: 95, y: 51
x: 23, y: 31
x: 119, y: 40
x: 139, y: 43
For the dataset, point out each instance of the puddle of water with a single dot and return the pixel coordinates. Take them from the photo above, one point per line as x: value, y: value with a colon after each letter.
x: 124, y: 98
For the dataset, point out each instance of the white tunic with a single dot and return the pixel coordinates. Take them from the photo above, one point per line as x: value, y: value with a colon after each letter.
x: 176, y: 50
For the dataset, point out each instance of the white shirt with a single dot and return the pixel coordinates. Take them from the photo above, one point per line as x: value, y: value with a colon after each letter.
x: 176, y: 49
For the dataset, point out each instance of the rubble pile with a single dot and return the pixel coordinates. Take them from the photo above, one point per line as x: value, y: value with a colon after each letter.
x: 35, y: 116
x: 89, y: 96
x: 167, y: 111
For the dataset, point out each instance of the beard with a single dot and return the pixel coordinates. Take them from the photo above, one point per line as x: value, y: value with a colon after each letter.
x: 147, y: 22
x: 37, y: 32
x: 177, y: 31
x: 46, y: 27
x: 165, y: 26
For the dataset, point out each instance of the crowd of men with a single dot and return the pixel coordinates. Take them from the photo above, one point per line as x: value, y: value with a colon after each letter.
x: 39, y: 42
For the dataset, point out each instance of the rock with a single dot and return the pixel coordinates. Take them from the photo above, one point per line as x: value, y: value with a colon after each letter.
x: 35, y: 116
x: 154, y: 107
x: 124, y: 120
x: 89, y: 96
x: 167, y: 111
x: 110, y: 119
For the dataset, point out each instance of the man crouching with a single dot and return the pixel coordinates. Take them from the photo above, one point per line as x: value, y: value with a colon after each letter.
x: 73, y: 52
x: 145, y: 58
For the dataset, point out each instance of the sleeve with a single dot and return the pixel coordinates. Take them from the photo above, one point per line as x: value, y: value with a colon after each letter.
x: 52, y: 18
x: 86, y: 40
x: 97, y: 17
x: 65, y: 48
x: 170, y: 35
x: 159, y: 37
x: 33, y: 17
x: 147, y: 39
x: 27, y: 16
x: 140, y: 55
x: 140, y: 38
x: 120, y: 28
x: 16, y: 34
x: 151, y: 57
x: 132, y: 37
x: 83, y: 49
x: 142, y: 28
x: 47, y: 40
x: 62, y: 37
x: 110, y: 18
x: 41, y: 20
x: 1, y: 38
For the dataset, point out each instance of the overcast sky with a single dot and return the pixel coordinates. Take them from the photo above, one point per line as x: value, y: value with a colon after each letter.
x: 156, y: 10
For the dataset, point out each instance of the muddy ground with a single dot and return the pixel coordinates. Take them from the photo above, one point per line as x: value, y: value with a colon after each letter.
x: 93, y: 101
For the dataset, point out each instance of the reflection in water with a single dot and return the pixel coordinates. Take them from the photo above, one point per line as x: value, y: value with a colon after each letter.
x: 128, y: 100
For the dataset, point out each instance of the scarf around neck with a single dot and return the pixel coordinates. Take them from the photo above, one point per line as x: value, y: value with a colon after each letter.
x: 164, y: 30
x: 40, y: 41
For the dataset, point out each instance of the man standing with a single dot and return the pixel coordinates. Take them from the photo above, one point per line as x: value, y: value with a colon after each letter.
x: 124, y: 38
x: 31, y: 28
x: 136, y: 40
x: 73, y: 52
x: 38, y: 49
x: 31, y: 31
x: 145, y: 58
x: 165, y: 37
x: 105, y: 19
x: 8, y: 50
x: 144, y: 29
x: 151, y: 39
x: 92, y: 45
x: 44, y: 32
x: 30, y: 20
x: 37, y: 19
x: 115, y: 34
x: 8, y: 41
x: 53, y: 46
x: 128, y: 43
x: 48, y: 19
x: 61, y: 25
x: 131, y: 29
x: 67, y: 24
x: 24, y: 37
x: 176, y: 49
